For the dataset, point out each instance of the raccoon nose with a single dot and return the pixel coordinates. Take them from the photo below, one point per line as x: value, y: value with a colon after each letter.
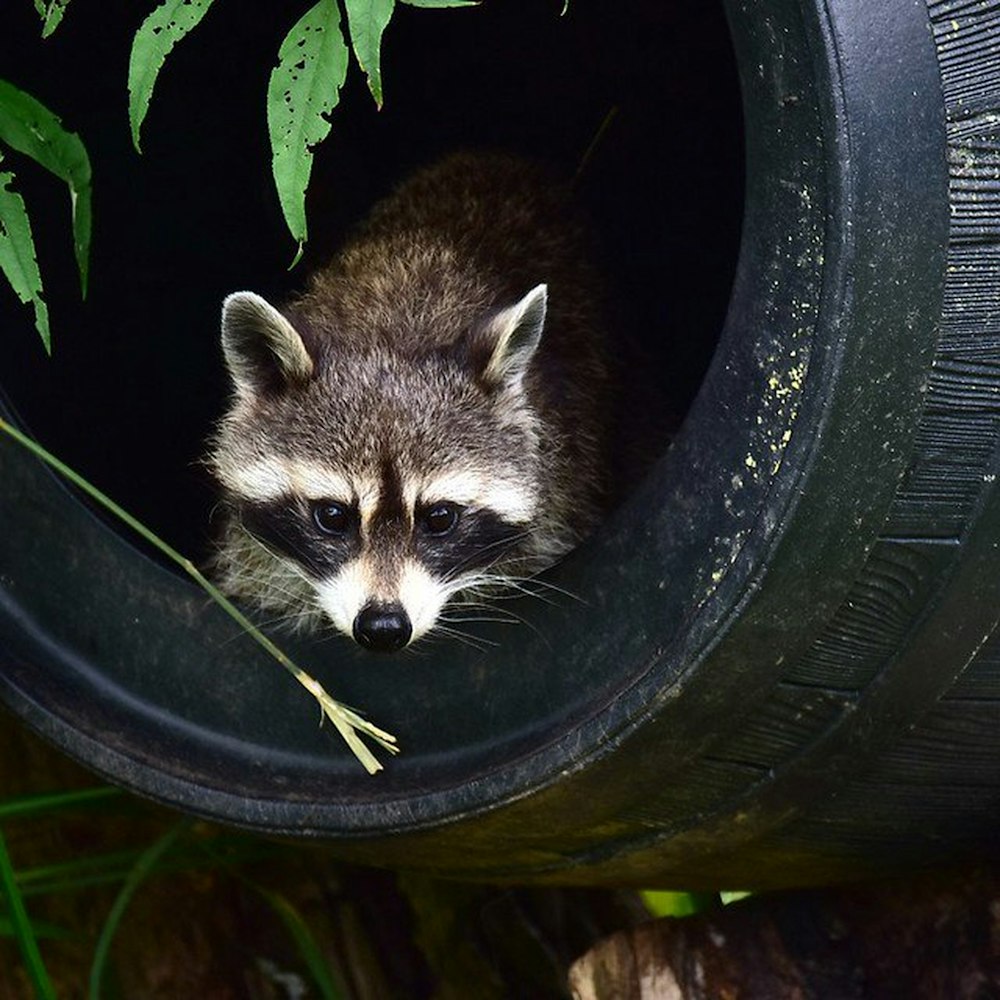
x: 383, y: 628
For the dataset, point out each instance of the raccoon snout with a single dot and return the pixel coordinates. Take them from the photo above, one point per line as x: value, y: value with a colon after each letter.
x: 382, y: 628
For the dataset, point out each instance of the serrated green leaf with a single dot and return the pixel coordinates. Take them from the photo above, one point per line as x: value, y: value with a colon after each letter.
x: 156, y: 36
x: 40, y: 8
x: 441, y: 3
x: 29, y: 127
x: 53, y: 15
x: 304, y: 88
x: 367, y: 20
x: 17, y: 256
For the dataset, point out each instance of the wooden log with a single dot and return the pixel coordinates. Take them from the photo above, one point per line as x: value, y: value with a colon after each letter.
x: 929, y: 938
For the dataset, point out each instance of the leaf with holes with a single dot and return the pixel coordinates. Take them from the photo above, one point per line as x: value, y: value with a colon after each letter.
x: 156, y: 36
x: 52, y: 15
x: 17, y: 255
x: 304, y: 88
x: 29, y: 127
x: 367, y: 20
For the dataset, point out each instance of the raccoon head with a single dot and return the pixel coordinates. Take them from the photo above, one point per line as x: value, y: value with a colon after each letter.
x: 371, y: 479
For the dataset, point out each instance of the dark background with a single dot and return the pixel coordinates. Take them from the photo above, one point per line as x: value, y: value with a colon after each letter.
x: 136, y: 378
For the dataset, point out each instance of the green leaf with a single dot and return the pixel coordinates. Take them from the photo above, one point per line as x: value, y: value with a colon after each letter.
x: 156, y: 36
x: 17, y: 256
x: 677, y: 904
x: 53, y: 15
x: 304, y: 88
x: 367, y: 20
x: 40, y: 8
x: 23, y: 930
x: 442, y: 3
x: 29, y: 127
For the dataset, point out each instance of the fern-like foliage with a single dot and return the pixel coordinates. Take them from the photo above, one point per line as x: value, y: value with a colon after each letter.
x: 304, y: 87
x: 30, y: 128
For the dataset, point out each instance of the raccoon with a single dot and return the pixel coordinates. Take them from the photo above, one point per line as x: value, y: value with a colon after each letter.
x: 428, y: 418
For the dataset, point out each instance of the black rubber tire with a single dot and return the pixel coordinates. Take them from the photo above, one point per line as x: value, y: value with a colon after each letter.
x: 782, y: 667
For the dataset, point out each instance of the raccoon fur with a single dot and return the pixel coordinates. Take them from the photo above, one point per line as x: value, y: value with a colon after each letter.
x: 428, y: 418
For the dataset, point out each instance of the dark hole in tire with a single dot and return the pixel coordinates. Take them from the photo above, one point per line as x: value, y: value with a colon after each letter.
x: 136, y: 377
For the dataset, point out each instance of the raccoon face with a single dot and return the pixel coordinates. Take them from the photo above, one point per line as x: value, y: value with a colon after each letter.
x: 385, y: 478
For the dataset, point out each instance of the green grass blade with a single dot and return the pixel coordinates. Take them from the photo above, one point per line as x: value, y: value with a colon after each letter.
x: 17, y: 256
x: 29, y: 127
x: 347, y: 722
x: 305, y: 942
x: 42, y: 929
x: 22, y: 928
x: 367, y: 20
x: 144, y: 866
x: 35, y: 805
x: 113, y: 866
x: 152, y: 43
x: 53, y: 15
x: 304, y: 88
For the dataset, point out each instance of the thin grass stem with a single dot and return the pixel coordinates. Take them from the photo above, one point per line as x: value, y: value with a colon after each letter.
x: 23, y: 931
x: 144, y: 866
x: 347, y: 722
x: 35, y: 805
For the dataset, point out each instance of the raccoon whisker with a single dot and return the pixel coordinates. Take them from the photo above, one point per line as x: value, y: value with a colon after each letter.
x: 534, y: 581
x: 270, y: 584
x: 286, y: 563
x: 263, y: 573
x: 516, y: 619
x: 475, y: 619
x: 499, y: 587
x: 529, y: 586
x: 495, y: 590
x: 526, y: 587
x: 512, y: 619
x: 468, y: 600
x: 297, y: 616
x: 479, y: 553
x: 478, y: 644
x: 293, y: 620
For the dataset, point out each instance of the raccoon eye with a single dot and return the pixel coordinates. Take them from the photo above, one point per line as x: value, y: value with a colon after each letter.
x: 331, y: 518
x: 439, y: 519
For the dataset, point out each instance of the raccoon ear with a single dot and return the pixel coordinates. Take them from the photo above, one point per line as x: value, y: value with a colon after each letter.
x: 263, y: 351
x: 513, y: 335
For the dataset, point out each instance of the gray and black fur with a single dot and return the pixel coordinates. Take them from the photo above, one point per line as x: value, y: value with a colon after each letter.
x: 429, y: 417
